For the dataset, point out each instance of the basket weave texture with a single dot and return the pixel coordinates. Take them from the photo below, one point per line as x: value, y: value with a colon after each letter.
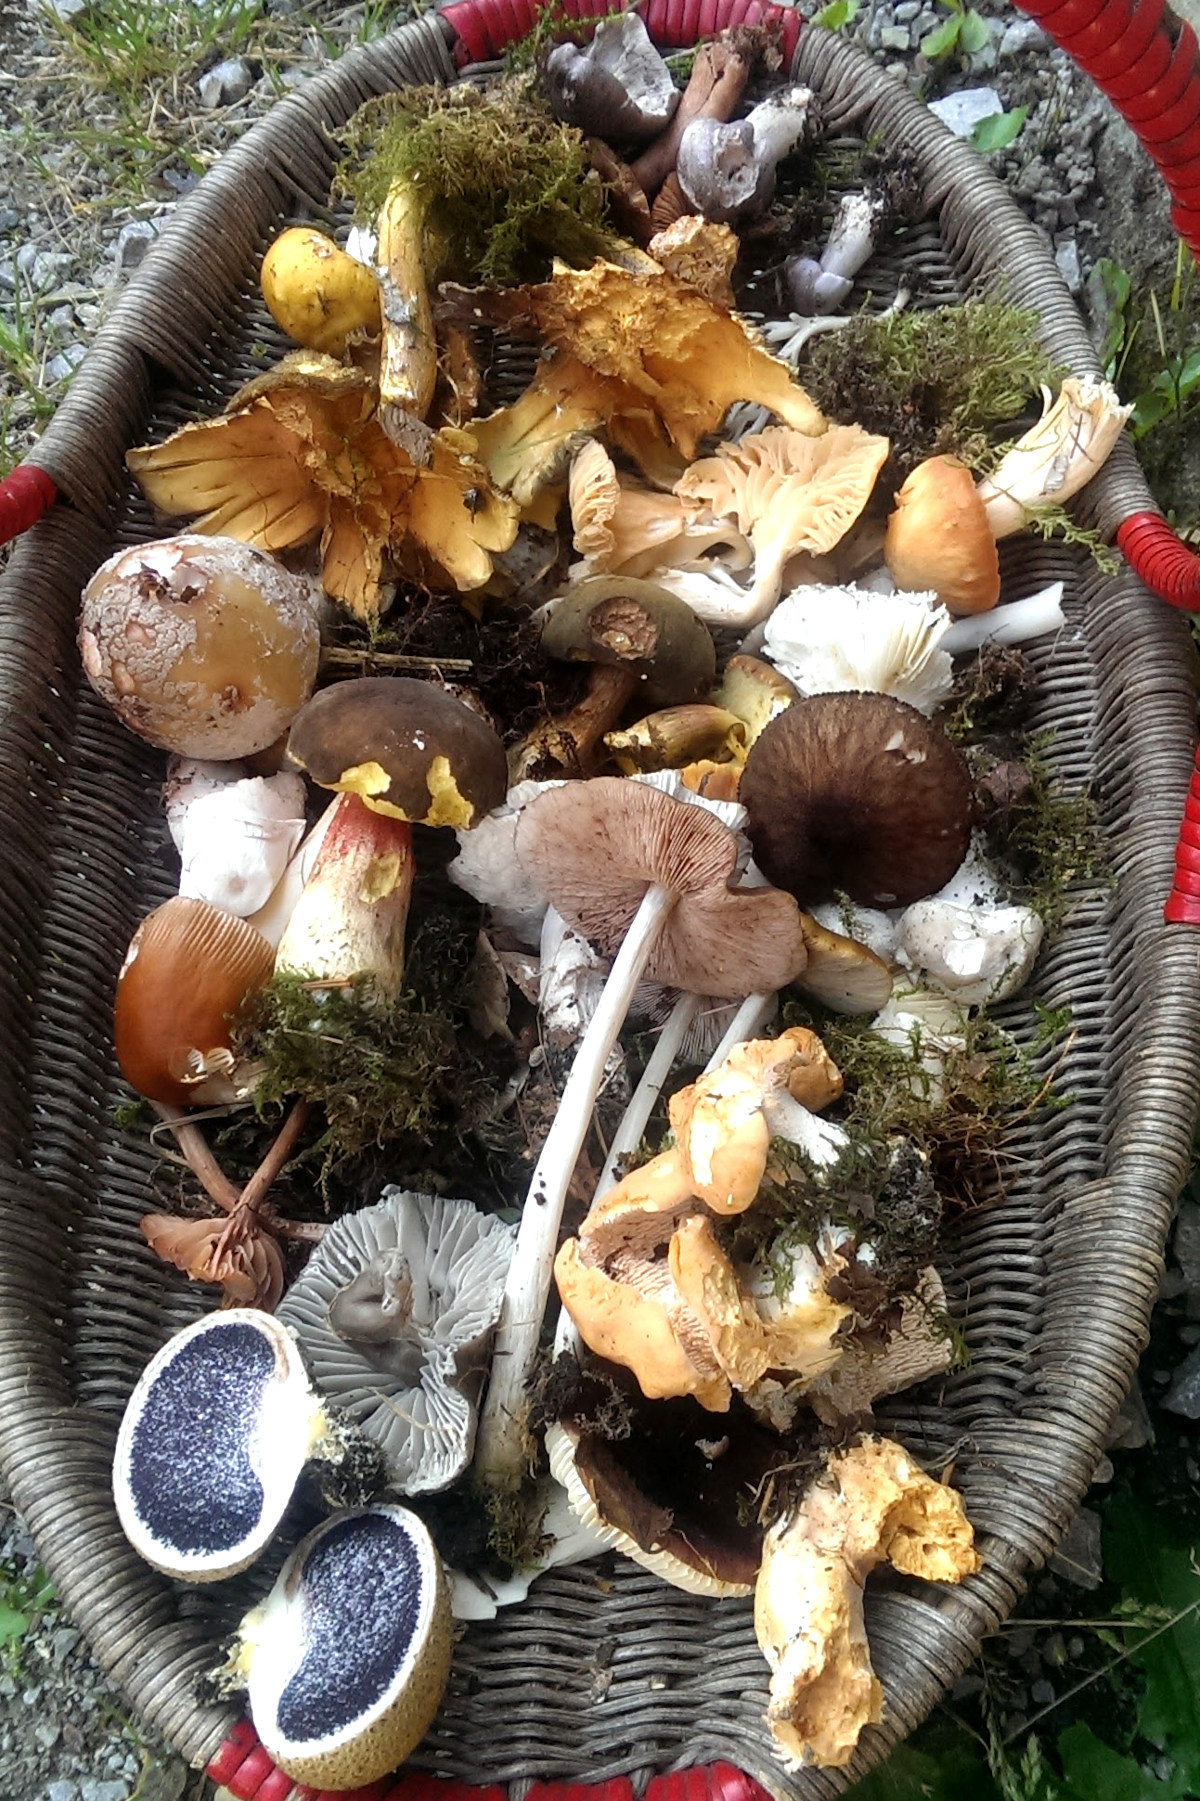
x: 1053, y: 1285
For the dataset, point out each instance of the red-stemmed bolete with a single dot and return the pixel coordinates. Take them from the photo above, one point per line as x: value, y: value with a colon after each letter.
x: 857, y: 794
x: 406, y: 748
x: 648, y: 877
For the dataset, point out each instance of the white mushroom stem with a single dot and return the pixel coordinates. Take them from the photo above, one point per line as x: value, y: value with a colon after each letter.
x: 1017, y: 623
x: 501, y: 1453
x: 746, y: 1023
x: 628, y: 1134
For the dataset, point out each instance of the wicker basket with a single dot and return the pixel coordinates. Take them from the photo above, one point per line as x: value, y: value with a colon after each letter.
x: 1053, y: 1286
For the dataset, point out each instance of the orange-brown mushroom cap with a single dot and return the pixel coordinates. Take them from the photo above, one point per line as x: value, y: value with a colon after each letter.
x: 939, y: 537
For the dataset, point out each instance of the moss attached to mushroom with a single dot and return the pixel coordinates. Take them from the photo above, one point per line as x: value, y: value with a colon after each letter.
x: 509, y: 187
x: 407, y: 1076
x: 937, y: 382
x: 962, y: 1116
x: 1050, y: 836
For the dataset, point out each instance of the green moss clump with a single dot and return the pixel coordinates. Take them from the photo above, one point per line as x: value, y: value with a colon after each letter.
x: 1051, y: 838
x: 404, y: 1076
x: 936, y: 382
x: 959, y: 1117
x: 507, y: 187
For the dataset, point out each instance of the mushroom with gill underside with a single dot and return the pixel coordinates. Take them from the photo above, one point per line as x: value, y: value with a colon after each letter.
x: 649, y: 877
x: 395, y: 1313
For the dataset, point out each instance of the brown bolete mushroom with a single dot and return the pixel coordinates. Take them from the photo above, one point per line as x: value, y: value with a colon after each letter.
x: 939, y: 538
x: 648, y: 877
x: 406, y: 748
x: 202, y: 645
x: 639, y: 640
x: 857, y: 794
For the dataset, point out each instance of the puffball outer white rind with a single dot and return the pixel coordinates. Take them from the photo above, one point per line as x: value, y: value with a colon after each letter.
x: 290, y: 1420
x: 274, y: 1641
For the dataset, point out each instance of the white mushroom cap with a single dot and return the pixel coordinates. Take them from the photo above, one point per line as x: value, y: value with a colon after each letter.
x: 486, y: 867
x: 235, y: 838
x: 429, y: 1274
x: 976, y: 954
x: 827, y: 639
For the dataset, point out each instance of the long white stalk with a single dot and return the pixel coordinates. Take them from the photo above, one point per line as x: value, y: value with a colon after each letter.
x: 750, y: 1016
x: 498, y: 1458
x: 628, y: 1134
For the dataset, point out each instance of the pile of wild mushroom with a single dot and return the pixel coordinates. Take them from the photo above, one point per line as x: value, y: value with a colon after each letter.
x: 735, y: 792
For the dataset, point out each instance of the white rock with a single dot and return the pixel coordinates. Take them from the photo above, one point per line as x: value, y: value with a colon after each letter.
x: 963, y: 111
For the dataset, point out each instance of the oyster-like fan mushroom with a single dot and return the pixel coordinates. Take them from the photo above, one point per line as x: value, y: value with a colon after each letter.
x: 872, y: 1504
x: 301, y: 452
x: 787, y: 492
x: 395, y: 1312
x: 630, y: 530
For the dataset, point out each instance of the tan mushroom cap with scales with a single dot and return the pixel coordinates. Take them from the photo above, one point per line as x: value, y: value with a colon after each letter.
x: 596, y: 847
x: 406, y: 748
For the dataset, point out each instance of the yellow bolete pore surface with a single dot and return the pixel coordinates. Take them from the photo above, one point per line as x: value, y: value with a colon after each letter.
x: 300, y: 453
x: 871, y: 1505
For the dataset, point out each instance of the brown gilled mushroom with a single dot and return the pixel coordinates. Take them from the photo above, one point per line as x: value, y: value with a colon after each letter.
x: 858, y: 794
x: 648, y: 877
x: 406, y: 748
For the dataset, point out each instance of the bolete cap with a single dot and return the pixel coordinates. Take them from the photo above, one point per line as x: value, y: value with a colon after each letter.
x: 595, y: 848
x: 859, y: 794
x: 406, y: 748
x: 618, y: 619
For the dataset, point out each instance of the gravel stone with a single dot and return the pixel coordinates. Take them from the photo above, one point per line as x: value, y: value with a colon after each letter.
x: 963, y: 111
x: 1022, y: 35
x: 1183, y: 1396
x: 225, y: 85
x: 894, y: 37
x: 133, y: 242
x: 65, y: 363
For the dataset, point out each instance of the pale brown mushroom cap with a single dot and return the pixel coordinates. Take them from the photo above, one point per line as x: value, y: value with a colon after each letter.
x: 595, y: 848
x: 842, y: 973
x: 939, y: 537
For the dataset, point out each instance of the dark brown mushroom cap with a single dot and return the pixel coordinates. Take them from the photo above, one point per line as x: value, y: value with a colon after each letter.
x: 856, y: 794
x: 640, y: 626
x: 680, y: 1480
x: 595, y: 847
x: 406, y: 748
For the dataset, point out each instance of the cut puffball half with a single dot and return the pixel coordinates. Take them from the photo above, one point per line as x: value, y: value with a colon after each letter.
x: 346, y: 1659
x: 212, y: 1444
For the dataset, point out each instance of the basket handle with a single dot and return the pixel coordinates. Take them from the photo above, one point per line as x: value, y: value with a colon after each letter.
x: 245, y: 1770
x: 25, y: 494
x: 485, y: 28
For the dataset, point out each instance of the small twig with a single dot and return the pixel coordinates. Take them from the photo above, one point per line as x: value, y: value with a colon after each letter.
x: 260, y: 1182
x: 344, y: 656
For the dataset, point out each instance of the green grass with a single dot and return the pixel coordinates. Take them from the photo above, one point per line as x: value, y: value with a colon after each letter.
x: 26, y: 400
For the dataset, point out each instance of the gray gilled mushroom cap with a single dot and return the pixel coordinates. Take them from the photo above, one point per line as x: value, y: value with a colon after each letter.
x: 395, y: 1313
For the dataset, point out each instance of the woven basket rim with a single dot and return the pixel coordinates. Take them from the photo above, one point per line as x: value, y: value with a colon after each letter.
x: 82, y: 450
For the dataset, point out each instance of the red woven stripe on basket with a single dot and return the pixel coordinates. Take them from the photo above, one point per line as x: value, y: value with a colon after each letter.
x: 243, y: 1768
x: 485, y: 28
x: 25, y: 494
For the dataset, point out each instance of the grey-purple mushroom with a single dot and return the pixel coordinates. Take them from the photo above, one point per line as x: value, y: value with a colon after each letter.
x: 727, y: 169
x: 618, y: 89
x: 395, y: 1312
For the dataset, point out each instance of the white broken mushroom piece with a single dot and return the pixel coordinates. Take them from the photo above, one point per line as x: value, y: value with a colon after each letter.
x: 872, y: 1504
x: 235, y: 833
x: 829, y: 639
x: 395, y: 1312
x: 487, y: 867
x: 967, y: 941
